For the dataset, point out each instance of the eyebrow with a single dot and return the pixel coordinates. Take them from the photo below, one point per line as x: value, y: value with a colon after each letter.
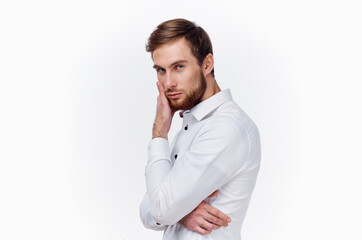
x: 172, y: 64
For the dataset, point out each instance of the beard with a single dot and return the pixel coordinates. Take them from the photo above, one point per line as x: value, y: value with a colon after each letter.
x: 191, y: 98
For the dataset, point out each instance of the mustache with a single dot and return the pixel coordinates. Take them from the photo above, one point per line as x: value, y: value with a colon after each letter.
x: 171, y: 91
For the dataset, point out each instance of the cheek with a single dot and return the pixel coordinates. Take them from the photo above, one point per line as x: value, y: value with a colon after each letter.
x: 160, y: 77
x: 188, y: 76
x: 192, y: 77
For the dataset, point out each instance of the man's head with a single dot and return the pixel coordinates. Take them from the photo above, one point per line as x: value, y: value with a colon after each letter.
x: 182, y: 55
x: 171, y: 30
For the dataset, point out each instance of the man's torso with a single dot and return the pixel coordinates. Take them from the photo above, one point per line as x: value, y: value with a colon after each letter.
x: 234, y: 196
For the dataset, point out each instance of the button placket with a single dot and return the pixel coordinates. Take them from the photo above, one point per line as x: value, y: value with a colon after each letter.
x: 187, y: 120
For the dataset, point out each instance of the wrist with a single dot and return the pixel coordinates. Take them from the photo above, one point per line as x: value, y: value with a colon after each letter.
x: 156, y: 134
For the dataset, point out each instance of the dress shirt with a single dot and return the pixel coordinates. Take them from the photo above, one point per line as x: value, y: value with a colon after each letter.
x: 217, y: 148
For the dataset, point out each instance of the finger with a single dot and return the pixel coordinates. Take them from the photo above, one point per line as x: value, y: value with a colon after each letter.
x: 162, y: 95
x: 205, y: 224
x: 202, y: 231
x: 212, y: 225
x: 215, y: 227
x: 215, y: 220
x: 214, y: 194
x: 204, y: 211
x: 160, y: 88
x: 218, y: 214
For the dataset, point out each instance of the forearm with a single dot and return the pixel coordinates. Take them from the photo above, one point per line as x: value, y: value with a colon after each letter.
x: 146, y: 217
x: 157, y: 170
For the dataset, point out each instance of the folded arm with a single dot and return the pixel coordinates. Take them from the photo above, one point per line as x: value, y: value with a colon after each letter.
x: 211, y: 162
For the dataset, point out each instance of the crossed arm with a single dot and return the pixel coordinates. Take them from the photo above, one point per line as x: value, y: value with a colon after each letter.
x: 203, y: 219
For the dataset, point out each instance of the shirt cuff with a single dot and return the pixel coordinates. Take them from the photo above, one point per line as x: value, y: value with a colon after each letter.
x: 158, y: 150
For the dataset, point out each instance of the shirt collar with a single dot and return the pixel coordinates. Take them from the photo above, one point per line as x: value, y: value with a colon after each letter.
x: 205, y: 107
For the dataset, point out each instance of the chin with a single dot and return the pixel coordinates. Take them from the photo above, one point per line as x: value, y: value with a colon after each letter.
x: 176, y: 104
x: 176, y: 107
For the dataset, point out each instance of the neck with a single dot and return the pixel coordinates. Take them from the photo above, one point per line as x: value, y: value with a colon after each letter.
x: 211, y: 88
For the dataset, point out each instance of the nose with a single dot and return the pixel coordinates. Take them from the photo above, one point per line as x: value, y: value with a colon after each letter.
x: 169, y: 81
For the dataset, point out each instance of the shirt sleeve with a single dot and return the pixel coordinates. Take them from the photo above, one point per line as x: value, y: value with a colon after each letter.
x: 216, y: 155
x: 146, y: 217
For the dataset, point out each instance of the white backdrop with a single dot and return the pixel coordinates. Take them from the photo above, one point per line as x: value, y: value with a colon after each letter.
x: 77, y: 101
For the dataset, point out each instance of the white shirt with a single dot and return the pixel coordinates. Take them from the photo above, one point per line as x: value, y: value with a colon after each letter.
x: 218, y: 148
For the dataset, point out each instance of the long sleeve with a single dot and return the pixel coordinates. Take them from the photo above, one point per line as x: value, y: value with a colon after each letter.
x: 217, y: 153
x: 146, y: 217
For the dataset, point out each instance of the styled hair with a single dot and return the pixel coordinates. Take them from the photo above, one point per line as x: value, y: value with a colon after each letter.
x: 174, y: 29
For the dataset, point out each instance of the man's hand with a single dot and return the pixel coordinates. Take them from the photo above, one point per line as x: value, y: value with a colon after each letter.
x: 205, y: 218
x: 164, y: 114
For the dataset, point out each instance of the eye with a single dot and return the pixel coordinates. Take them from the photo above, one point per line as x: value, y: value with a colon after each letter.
x: 160, y: 70
x: 178, y: 67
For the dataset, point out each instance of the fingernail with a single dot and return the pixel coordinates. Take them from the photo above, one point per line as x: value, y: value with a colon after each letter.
x: 228, y: 220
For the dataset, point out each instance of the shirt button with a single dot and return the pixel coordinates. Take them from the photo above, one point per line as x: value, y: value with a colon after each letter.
x: 186, y: 127
x: 175, y: 156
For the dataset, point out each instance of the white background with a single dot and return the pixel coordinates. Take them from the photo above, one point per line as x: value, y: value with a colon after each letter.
x: 77, y: 103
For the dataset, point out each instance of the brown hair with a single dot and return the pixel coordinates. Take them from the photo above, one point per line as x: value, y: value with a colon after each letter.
x: 171, y: 30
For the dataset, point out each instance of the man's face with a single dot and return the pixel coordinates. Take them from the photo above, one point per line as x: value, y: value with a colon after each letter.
x: 180, y: 74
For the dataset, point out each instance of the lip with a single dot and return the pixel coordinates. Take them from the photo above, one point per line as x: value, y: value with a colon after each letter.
x: 174, y: 95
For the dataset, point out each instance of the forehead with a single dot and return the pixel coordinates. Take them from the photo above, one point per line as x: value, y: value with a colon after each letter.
x: 173, y: 51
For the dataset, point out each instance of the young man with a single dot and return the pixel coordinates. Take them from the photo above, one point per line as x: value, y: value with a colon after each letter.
x: 200, y: 187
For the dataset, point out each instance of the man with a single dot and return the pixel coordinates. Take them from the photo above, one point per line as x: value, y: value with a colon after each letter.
x: 200, y: 187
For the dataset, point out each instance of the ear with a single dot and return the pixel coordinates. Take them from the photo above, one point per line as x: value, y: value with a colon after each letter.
x: 208, y: 64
